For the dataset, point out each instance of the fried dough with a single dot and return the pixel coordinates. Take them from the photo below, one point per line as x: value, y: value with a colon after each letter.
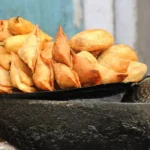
x: 92, y: 40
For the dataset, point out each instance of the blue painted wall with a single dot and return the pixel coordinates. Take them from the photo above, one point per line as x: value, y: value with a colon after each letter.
x: 48, y: 14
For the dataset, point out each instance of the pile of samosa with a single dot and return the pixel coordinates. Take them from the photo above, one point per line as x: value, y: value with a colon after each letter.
x: 30, y: 60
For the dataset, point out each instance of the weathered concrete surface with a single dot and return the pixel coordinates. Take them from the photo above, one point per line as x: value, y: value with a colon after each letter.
x: 143, y: 42
x: 75, y: 125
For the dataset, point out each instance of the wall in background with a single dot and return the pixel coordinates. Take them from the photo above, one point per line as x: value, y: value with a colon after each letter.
x: 143, y: 31
x: 117, y: 16
x: 49, y: 14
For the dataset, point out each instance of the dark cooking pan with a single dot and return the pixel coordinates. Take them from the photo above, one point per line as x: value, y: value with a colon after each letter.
x: 98, y: 91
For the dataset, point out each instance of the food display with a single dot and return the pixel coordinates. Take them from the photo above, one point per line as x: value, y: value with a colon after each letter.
x: 32, y: 61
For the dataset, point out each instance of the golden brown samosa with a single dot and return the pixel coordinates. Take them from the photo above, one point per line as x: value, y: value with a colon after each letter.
x: 110, y: 76
x: 12, y: 44
x: 88, y: 75
x: 2, y: 50
x: 4, y: 89
x: 121, y: 51
x: 21, y: 75
x: 91, y: 40
x: 136, y: 71
x: 5, y: 81
x: 5, y: 78
x: 114, y: 63
x: 61, y: 48
x: 88, y: 56
x: 47, y: 51
x: 48, y: 44
x: 18, y: 26
x: 43, y: 75
x: 30, y: 49
x: 3, y: 24
x: 4, y: 32
x: 5, y: 60
x: 65, y: 76
x: 96, y: 53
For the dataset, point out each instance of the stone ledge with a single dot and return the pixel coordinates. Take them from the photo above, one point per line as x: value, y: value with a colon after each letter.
x: 72, y: 125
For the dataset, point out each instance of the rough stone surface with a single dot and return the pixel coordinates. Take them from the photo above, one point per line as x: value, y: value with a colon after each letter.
x: 75, y: 125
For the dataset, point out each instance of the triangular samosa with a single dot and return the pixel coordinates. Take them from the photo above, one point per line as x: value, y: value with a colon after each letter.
x: 115, y: 63
x: 30, y: 49
x: 21, y: 75
x: 4, y: 32
x: 88, y: 75
x: 5, y: 60
x: 5, y: 81
x: 136, y: 71
x: 43, y: 75
x: 61, y: 48
x: 65, y: 76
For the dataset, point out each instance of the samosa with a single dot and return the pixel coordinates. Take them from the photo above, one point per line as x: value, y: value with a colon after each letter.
x: 47, y: 51
x: 5, y: 81
x: 4, y: 89
x: 61, y: 48
x: 13, y: 43
x: 92, y: 40
x: 120, y: 51
x: 21, y: 75
x: 108, y: 75
x: 18, y: 26
x: 65, y: 77
x: 88, y: 75
x: 96, y: 53
x: 5, y: 60
x: 2, y: 49
x: 4, y: 32
x: 48, y: 44
x: 30, y: 49
x: 43, y: 75
x: 115, y: 63
x: 87, y: 55
x: 136, y: 71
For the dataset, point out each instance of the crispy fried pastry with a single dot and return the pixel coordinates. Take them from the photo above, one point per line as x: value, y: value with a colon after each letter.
x: 4, y: 89
x: 21, y: 75
x: 87, y: 55
x: 12, y: 44
x: 5, y: 78
x: 65, y: 76
x: 61, y: 48
x: 5, y: 81
x: 110, y: 76
x: 47, y: 51
x: 121, y: 51
x: 5, y: 60
x: 30, y: 49
x: 43, y: 75
x: 4, y: 32
x: 96, y: 53
x: 2, y: 49
x: 88, y: 75
x: 136, y: 71
x: 92, y: 40
x: 114, y: 63
x: 18, y: 25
